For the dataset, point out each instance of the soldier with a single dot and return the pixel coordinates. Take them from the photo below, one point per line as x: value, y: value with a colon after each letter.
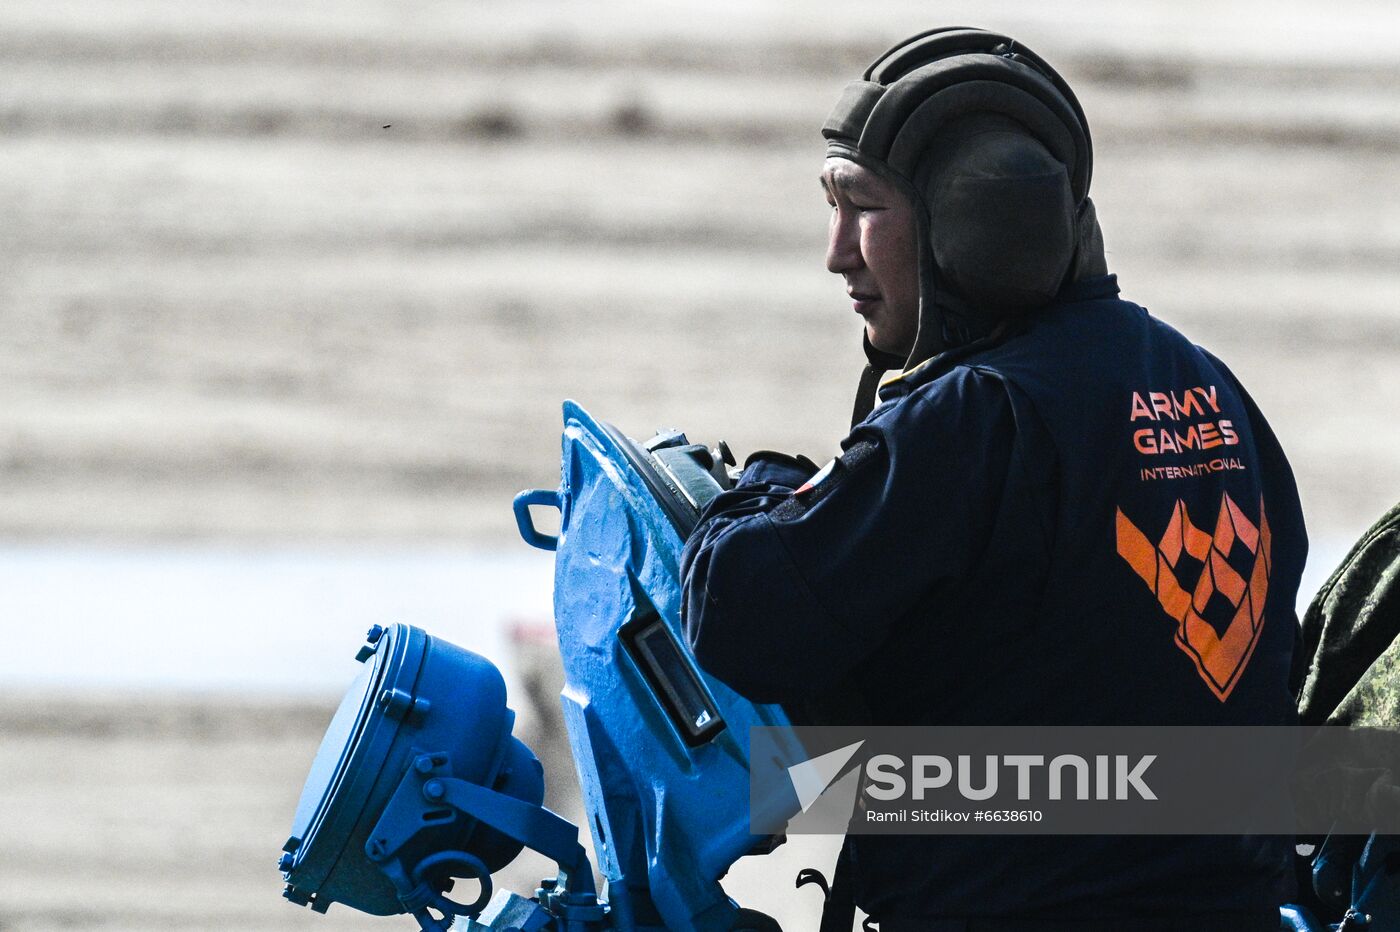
x: 1018, y: 526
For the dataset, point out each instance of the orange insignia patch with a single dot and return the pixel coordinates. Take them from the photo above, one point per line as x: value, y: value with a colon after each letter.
x: 1220, y: 658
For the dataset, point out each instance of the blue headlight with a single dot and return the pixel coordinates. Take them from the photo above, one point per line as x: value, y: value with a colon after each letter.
x: 421, y: 710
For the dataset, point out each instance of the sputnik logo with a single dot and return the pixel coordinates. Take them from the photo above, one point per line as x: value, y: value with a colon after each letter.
x: 1220, y: 658
x: 811, y: 778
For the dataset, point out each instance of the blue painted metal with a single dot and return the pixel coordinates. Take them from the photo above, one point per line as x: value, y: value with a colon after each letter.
x: 526, y: 523
x: 418, y: 778
x: 429, y: 794
x: 1375, y: 891
x: 667, y: 798
x: 1299, y: 919
x: 416, y: 693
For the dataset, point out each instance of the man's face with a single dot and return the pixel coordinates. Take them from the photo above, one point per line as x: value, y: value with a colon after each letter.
x: 872, y: 245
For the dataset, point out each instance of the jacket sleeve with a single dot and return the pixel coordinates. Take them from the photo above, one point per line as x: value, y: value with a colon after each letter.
x: 785, y: 591
x: 1286, y: 519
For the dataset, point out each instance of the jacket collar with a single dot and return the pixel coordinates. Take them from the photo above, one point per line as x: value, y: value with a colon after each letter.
x: 1098, y: 288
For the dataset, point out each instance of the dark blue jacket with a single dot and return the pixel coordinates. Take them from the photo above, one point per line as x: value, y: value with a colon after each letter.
x: 1087, y: 523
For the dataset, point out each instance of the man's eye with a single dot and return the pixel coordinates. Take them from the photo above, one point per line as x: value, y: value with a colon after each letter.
x: 867, y: 207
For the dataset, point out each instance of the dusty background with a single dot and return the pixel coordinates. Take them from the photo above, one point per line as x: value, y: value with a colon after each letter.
x: 320, y: 272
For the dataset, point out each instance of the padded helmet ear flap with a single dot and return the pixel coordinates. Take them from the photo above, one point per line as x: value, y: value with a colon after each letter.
x: 1001, y: 215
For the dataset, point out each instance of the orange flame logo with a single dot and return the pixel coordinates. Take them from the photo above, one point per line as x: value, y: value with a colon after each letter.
x: 1220, y: 658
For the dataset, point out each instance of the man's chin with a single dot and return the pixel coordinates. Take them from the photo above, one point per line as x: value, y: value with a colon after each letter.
x: 876, y: 339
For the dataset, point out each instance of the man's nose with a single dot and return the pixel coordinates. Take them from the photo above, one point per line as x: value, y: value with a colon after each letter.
x: 843, y: 244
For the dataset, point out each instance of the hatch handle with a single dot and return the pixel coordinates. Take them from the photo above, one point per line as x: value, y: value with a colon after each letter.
x: 526, y: 523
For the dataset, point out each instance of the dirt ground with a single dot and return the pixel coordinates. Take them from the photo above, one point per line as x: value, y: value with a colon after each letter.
x: 295, y: 270
x: 276, y: 274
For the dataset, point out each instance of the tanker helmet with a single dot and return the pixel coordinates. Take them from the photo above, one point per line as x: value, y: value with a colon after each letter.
x: 991, y: 146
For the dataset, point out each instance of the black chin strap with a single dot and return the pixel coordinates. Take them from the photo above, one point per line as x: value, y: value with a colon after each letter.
x: 878, y: 363
x: 865, y: 394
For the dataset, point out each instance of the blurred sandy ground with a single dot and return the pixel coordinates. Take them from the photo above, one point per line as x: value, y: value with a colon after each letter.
x: 320, y: 272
